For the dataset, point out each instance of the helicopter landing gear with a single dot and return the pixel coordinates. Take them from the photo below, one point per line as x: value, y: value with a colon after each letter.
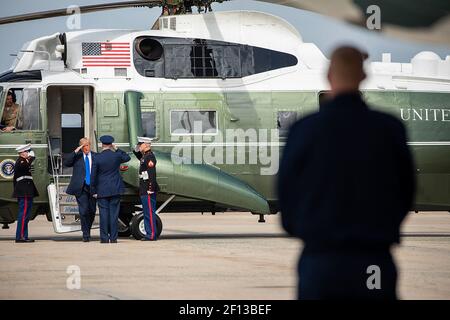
x: 5, y: 226
x: 261, y: 218
x: 137, y: 221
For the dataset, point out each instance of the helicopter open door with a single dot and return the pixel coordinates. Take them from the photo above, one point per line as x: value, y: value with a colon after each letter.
x: 71, y: 116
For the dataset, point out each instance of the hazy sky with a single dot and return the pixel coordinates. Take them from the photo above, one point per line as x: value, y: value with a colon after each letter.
x: 325, y: 32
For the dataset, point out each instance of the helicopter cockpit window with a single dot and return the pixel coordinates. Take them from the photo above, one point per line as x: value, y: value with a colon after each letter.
x: 21, y: 109
x: 149, y: 123
x: 12, y: 110
x: 30, y: 111
x: 193, y: 122
x: 285, y: 119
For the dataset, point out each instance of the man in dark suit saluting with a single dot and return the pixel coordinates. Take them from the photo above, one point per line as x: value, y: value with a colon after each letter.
x: 107, y: 187
x: 345, y: 184
x: 80, y: 184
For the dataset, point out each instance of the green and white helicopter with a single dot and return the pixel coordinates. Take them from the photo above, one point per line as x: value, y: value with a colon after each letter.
x: 216, y: 91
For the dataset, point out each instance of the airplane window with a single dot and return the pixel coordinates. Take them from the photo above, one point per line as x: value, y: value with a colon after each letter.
x: 149, y: 123
x: 193, y: 122
x: 285, y: 119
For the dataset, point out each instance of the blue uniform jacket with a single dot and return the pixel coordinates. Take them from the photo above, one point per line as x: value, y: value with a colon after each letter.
x: 346, y: 177
x: 76, y: 160
x: 105, y: 176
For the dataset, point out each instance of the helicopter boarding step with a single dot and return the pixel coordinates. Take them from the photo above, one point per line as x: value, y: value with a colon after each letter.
x: 64, y: 208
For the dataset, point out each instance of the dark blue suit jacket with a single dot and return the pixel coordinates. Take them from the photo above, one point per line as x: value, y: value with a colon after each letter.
x: 105, y: 178
x: 346, y: 177
x: 76, y: 160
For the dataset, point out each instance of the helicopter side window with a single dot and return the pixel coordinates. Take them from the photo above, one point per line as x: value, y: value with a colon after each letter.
x: 178, y: 61
x: 203, y: 64
x: 257, y: 60
x: 193, y: 122
x: 149, y: 123
x: 285, y: 119
x: 177, y: 58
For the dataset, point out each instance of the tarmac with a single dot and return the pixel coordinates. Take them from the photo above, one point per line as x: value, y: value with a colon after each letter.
x: 222, y: 256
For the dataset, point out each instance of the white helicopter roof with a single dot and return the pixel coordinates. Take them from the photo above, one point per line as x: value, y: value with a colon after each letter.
x: 243, y: 27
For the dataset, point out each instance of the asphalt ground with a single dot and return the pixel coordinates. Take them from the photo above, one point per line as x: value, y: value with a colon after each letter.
x: 225, y: 256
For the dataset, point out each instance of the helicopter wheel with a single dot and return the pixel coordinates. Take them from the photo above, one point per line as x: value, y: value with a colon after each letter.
x: 138, y: 229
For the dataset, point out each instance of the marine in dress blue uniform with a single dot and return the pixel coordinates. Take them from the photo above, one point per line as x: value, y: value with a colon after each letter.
x: 80, y: 185
x: 24, y: 191
x: 107, y: 186
x: 148, y: 187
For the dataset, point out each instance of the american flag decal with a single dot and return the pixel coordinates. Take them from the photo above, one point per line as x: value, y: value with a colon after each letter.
x: 106, y: 54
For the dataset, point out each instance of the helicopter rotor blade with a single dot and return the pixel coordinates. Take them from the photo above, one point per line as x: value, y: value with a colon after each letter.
x: 83, y: 9
x: 404, y: 19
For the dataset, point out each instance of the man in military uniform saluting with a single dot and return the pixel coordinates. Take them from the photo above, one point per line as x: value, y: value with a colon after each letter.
x: 148, y: 187
x: 107, y: 186
x: 24, y: 190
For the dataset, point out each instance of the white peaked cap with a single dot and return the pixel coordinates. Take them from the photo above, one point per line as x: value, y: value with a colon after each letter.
x: 144, y: 140
x: 22, y: 148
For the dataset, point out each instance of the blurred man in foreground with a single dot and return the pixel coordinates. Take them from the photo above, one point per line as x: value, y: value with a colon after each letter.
x: 346, y: 182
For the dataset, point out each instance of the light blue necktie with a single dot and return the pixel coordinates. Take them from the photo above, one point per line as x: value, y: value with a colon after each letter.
x: 88, y: 171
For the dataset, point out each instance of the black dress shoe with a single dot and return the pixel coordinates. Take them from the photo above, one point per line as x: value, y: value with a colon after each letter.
x: 113, y: 241
x: 147, y: 239
x: 85, y: 239
x: 103, y: 241
x: 24, y: 240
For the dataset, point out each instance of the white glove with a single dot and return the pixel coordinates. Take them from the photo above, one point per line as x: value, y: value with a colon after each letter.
x: 31, y: 153
x: 136, y: 148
